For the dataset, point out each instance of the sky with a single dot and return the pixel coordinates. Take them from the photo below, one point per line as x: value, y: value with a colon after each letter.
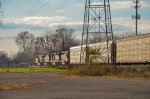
x: 39, y: 16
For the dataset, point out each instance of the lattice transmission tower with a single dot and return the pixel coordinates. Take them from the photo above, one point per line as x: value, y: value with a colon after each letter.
x: 97, y: 32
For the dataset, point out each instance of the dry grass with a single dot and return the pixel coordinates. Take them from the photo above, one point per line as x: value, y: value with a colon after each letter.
x: 12, y: 86
x: 125, y: 72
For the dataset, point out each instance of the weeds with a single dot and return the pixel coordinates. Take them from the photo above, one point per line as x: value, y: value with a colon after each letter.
x: 126, y: 72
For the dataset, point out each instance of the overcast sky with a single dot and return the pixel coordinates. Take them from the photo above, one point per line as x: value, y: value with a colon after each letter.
x: 38, y: 16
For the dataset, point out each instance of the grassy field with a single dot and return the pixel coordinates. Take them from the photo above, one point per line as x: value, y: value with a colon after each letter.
x: 26, y: 70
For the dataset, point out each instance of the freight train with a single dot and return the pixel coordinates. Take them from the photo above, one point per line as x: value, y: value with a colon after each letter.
x: 129, y: 50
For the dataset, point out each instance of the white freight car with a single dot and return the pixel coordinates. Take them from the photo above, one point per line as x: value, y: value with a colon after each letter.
x: 103, y: 57
x: 75, y: 55
x: 134, y: 49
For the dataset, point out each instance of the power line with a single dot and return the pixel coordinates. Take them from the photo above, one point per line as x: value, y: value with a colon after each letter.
x: 60, y: 7
x: 31, y: 11
x: 42, y: 6
x: 17, y: 4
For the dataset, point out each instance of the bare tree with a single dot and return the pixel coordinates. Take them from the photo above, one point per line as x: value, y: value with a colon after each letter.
x: 25, y: 41
x: 63, y: 39
x: 42, y: 43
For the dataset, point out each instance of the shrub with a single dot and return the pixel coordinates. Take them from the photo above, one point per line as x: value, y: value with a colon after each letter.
x: 92, y: 70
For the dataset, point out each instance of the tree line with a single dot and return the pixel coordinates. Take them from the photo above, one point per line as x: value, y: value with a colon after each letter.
x: 57, y: 41
x: 30, y: 46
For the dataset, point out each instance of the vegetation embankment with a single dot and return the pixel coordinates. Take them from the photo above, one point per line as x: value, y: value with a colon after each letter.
x: 32, y: 70
x: 124, y: 72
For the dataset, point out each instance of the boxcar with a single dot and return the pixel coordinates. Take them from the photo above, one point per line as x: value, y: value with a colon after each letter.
x: 75, y: 55
x: 103, y: 57
x: 133, y: 49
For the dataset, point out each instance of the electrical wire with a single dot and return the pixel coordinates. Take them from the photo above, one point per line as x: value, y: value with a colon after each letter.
x: 17, y: 5
x: 59, y: 8
x: 41, y: 7
x: 32, y: 10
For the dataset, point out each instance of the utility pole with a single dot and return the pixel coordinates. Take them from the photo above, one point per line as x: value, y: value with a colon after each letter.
x: 97, y: 28
x: 136, y: 16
